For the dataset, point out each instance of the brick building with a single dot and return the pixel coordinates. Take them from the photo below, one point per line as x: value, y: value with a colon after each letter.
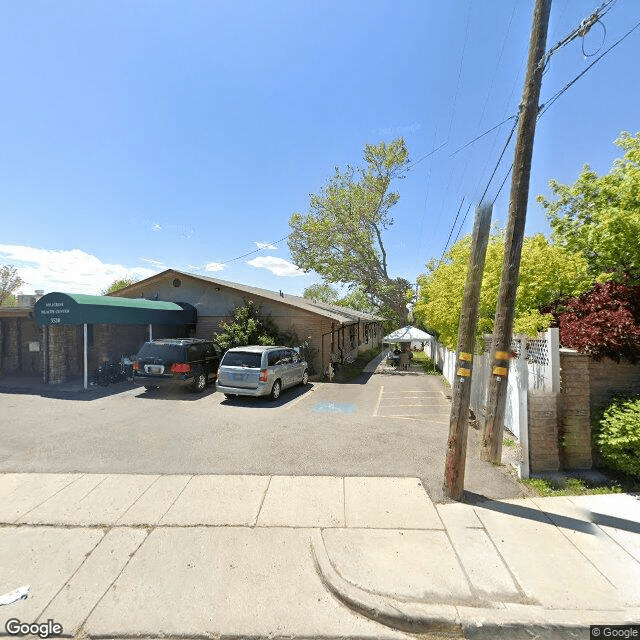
x: 52, y: 336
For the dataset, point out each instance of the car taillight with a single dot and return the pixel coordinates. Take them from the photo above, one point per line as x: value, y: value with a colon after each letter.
x: 136, y: 366
x: 263, y: 375
x: 179, y: 367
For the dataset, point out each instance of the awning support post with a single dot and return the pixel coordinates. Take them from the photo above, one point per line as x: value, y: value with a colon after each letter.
x: 85, y: 357
x: 150, y: 332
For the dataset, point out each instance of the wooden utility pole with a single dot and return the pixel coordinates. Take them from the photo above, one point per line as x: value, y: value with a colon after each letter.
x: 501, y: 345
x: 459, y: 420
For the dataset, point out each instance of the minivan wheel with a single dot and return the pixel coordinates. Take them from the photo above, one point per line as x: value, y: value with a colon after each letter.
x: 275, y: 390
x: 305, y: 378
x: 200, y: 382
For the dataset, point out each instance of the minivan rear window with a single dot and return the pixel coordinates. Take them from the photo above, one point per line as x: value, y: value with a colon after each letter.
x: 242, y: 359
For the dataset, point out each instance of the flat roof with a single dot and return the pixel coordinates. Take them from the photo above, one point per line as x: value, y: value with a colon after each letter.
x: 58, y: 308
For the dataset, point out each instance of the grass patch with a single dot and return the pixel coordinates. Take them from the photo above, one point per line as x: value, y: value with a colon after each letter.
x: 348, y: 372
x: 509, y: 442
x: 428, y: 366
x: 571, y: 487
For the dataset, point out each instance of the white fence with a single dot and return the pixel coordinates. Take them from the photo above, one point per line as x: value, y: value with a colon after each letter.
x: 533, y: 368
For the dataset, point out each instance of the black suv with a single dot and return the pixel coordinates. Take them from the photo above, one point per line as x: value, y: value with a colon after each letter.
x: 177, y: 361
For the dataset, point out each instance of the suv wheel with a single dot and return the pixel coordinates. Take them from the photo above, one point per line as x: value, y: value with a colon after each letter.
x: 275, y: 390
x: 200, y: 383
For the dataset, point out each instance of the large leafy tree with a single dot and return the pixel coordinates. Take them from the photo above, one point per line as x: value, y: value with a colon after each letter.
x: 341, y: 236
x: 10, y: 281
x: 322, y: 292
x: 547, y: 272
x: 120, y: 283
x: 599, y: 216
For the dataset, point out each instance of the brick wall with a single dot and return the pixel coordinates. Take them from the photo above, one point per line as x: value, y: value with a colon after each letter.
x: 543, y: 431
x: 608, y: 378
x: 574, y: 425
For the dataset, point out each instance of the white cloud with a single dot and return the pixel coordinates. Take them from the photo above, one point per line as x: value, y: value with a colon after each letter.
x: 214, y: 266
x: 279, y: 266
x: 265, y: 245
x: 156, y: 262
x: 156, y: 227
x: 72, y: 271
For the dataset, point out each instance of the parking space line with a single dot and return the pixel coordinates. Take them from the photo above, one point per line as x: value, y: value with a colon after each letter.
x: 375, y: 411
x: 298, y: 399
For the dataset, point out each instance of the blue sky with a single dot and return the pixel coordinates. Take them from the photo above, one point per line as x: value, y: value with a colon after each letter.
x: 140, y: 135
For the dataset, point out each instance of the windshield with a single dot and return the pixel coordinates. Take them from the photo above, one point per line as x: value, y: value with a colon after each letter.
x: 242, y: 359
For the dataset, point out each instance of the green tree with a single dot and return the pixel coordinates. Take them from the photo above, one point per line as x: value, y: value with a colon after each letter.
x: 547, y: 272
x: 599, y: 216
x: 358, y: 301
x: 340, y: 237
x: 10, y: 281
x: 120, y: 283
x: 248, y: 326
x: 322, y: 292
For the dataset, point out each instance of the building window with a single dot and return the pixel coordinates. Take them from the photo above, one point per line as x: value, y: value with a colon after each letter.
x: 177, y: 282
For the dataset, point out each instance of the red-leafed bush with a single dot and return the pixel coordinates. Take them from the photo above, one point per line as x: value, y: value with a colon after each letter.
x: 604, y: 321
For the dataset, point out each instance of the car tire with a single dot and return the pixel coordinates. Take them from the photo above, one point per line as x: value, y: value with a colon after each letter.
x: 150, y: 387
x: 305, y: 379
x: 230, y: 396
x: 275, y: 390
x: 200, y: 383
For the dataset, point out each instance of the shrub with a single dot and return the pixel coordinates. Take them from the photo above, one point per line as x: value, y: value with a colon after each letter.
x: 618, y: 435
x: 605, y: 321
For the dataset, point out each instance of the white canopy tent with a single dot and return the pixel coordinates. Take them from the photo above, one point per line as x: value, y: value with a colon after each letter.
x: 408, y: 334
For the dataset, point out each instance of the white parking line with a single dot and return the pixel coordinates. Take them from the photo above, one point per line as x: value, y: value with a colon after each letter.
x: 375, y: 411
x: 293, y: 403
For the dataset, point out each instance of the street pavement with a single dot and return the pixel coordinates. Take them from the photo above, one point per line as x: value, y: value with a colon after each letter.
x: 252, y: 556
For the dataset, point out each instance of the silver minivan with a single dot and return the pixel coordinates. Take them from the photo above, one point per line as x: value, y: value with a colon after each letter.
x: 260, y: 371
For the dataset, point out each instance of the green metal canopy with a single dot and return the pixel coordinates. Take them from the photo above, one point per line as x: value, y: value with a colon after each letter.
x: 76, y: 308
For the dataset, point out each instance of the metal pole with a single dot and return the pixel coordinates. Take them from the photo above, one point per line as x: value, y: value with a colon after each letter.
x: 86, y: 375
x: 150, y: 333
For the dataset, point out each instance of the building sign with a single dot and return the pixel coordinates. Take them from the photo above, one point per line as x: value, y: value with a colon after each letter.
x: 53, y: 312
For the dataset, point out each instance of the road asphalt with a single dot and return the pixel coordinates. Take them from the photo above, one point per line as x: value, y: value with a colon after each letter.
x: 175, y: 556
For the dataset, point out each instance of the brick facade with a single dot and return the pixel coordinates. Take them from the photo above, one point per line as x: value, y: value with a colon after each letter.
x: 543, y: 431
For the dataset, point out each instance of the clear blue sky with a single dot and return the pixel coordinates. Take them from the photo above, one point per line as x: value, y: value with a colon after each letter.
x: 138, y: 135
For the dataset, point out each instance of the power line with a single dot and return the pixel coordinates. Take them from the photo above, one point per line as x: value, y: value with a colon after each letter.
x: 548, y: 104
x: 483, y: 134
x: 451, y: 232
x: 464, y: 46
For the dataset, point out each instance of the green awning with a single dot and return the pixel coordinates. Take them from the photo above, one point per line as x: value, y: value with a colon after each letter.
x: 77, y: 308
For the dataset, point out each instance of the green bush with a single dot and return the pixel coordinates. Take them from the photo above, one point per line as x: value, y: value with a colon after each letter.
x: 618, y: 435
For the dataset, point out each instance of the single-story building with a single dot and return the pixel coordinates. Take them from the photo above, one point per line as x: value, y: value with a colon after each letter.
x: 60, y: 335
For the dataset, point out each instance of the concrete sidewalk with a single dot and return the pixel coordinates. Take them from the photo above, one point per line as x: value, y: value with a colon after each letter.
x: 120, y: 556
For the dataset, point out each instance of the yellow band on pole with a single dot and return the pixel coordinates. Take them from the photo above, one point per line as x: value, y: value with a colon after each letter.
x: 467, y: 357
x: 500, y: 371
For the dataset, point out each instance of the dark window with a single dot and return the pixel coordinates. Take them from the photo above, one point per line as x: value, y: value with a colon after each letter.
x: 273, y: 358
x: 194, y: 352
x: 242, y: 359
x: 166, y: 352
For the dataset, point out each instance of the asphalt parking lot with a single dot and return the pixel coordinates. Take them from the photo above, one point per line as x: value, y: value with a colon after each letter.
x: 380, y: 425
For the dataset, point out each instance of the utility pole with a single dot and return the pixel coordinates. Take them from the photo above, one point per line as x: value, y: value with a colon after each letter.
x: 459, y: 420
x: 501, y: 345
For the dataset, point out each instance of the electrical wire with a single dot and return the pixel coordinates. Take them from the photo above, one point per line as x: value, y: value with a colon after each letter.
x: 483, y: 134
x: 464, y: 46
x: 544, y: 107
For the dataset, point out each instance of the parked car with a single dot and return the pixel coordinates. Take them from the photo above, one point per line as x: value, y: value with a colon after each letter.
x: 188, y: 362
x: 260, y: 371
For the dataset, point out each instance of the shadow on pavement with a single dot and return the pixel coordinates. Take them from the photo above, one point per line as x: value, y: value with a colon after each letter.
x: 264, y: 402
x: 566, y: 522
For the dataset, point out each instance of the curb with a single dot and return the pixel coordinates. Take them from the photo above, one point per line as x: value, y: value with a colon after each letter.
x: 510, y: 621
